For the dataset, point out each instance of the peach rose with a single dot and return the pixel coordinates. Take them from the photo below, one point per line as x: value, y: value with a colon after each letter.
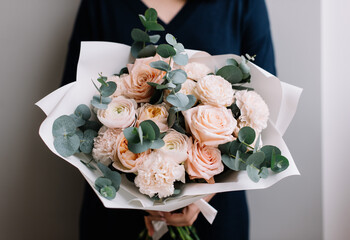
x: 121, y: 113
x: 156, y: 113
x: 125, y: 160
x: 196, y: 71
x: 203, y: 161
x: 214, y: 90
x: 175, y: 146
x: 210, y: 125
x: 135, y: 84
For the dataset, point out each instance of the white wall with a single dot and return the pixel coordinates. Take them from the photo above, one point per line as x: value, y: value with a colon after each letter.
x: 292, y: 209
x: 40, y: 194
x: 336, y: 118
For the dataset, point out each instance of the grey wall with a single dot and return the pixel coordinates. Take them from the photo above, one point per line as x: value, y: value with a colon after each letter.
x: 292, y: 209
x: 41, y: 194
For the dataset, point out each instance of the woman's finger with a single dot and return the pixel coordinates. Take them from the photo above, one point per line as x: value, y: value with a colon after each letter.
x: 149, y: 226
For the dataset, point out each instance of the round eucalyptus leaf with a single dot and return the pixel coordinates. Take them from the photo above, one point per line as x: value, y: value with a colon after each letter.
x: 91, y: 125
x: 108, y: 192
x: 83, y: 112
x: 231, y: 73
x: 140, y: 133
x: 268, y: 149
x: 152, y: 84
x: 235, y: 146
x: 253, y: 173
x: 131, y: 135
x: 264, y: 172
x: 64, y: 125
x: 124, y: 70
x: 66, y: 145
x: 108, y: 90
x: 181, y: 59
x: 112, y: 175
x: 148, y: 51
x: 100, y: 102
x: 154, y: 126
x: 87, y: 143
x: 156, y: 144
x: 229, y: 162
x: 165, y: 50
x: 151, y: 14
x: 142, y: 19
x: 147, y: 130
x: 78, y: 120
x: 154, y: 39
x: 246, y: 135
x: 179, y: 47
x: 177, y: 76
x: 232, y: 61
x: 80, y: 134
x: 171, y: 117
x: 178, y: 100
x: 279, y: 163
x: 153, y: 26
x: 256, y: 159
x: 225, y: 148
x: 138, y: 147
x: 160, y: 65
x: 136, y: 47
x: 170, y: 39
x: 102, y: 182
x: 139, y: 36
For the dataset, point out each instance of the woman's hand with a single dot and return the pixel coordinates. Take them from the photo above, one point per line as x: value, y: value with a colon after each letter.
x: 186, y: 217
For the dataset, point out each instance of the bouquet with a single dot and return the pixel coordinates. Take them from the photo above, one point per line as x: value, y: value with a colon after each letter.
x: 165, y: 126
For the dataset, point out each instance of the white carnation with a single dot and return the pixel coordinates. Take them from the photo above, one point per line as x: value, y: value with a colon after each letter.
x: 196, y: 71
x: 254, y: 110
x: 157, y: 175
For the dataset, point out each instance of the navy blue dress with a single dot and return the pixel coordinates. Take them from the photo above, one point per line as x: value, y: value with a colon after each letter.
x: 214, y: 26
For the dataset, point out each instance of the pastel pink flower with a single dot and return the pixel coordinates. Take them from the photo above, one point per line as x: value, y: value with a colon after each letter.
x: 156, y: 113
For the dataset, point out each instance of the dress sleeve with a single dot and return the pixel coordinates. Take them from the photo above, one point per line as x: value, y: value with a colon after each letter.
x: 256, y: 35
x: 85, y: 29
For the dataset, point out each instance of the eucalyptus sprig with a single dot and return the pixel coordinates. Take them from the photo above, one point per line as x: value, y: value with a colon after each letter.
x: 139, y: 48
x: 109, y: 184
x: 106, y: 89
x: 146, y: 136
x: 74, y: 133
x: 240, y: 155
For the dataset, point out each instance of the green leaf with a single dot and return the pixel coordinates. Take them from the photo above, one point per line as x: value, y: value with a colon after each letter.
x: 179, y: 47
x: 171, y: 117
x: 235, y: 146
x: 154, y: 38
x: 139, y: 36
x: 83, y: 112
x: 138, y: 147
x: 155, y: 128
x: 244, y: 68
x: 66, y: 145
x: 151, y: 14
x: 140, y: 133
x: 136, y: 47
x: 102, y: 80
x: 78, y: 120
x: 131, y: 135
x: 153, y: 26
x: 256, y: 159
x: 257, y: 143
x: 165, y: 50
x: 225, y: 148
x: 181, y: 59
x: 64, y: 125
x: 231, y: 61
x: 157, y: 97
x: 231, y: 73
x: 161, y: 65
x: 170, y: 39
x: 178, y: 100
x: 112, y: 175
x: 87, y: 143
x: 179, y: 128
x: 108, y: 192
x: 239, y: 88
x: 279, y: 163
x: 93, y: 125
x: 156, y: 144
x: 246, y: 135
x: 264, y: 172
x: 253, y: 173
x: 108, y: 90
x: 124, y: 70
x: 229, y: 162
x: 268, y: 149
x: 143, y: 19
x: 80, y: 134
x: 177, y: 76
x: 148, y: 51
x: 153, y: 84
x: 102, y: 182
x: 147, y: 130
x: 100, y: 102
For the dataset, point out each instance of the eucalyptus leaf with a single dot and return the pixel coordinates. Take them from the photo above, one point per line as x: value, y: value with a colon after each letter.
x: 102, y: 182
x: 154, y: 126
x: 153, y: 26
x: 244, y: 68
x: 253, y: 173
x: 177, y: 76
x: 91, y: 125
x: 231, y: 61
x: 131, y: 135
x: 178, y: 100
x: 78, y: 120
x: 229, y: 162
x: 64, y: 125
x: 138, y: 147
x: 166, y: 50
x: 279, y: 163
x: 171, y: 117
x: 240, y: 88
x: 151, y: 14
x: 256, y: 159
x: 154, y: 38
x: 156, y: 144
x: 264, y: 172
x: 100, y: 102
x: 225, y: 148
x: 136, y: 47
x: 161, y: 65
x: 148, y: 51
x: 179, y: 128
x: 235, y: 146
x: 157, y: 97
x: 257, y: 143
x: 181, y: 59
x: 66, y: 145
x: 83, y: 112
x: 268, y: 149
x: 246, y: 135
x: 140, y: 133
x: 147, y: 130
x: 112, y: 175
x: 139, y: 36
x: 153, y: 84
x: 108, y: 90
x: 179, y: 47
x: 170, y: 39
x: 142, y: 19
x: 124, y: 70
x: 87, y: 143
x: 108, y: 192
x: 231, y: 73
x: 80, y: 134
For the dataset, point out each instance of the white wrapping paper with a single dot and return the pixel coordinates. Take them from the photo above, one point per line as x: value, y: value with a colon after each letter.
x: 109, y: 58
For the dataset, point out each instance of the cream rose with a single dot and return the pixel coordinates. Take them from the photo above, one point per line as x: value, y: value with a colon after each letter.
x: 210, y: 125
x: 135, y: 84
x: 121, y: 113
x: 156, y: 113
x: 175, y: 146
x: 254, y: 110
x: 214, y: 90
x: 196, y: 71
x: 203, y: 161
x: 104, y: 145
x: 157, y: 174
x: 125, y: 160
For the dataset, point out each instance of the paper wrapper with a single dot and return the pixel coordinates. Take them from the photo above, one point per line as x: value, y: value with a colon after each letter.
x: 109, y: 58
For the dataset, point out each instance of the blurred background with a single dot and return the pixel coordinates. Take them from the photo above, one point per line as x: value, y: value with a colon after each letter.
x: 41, y: 194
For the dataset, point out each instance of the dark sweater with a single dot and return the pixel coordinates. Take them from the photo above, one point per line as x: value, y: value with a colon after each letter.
x: 214, y: 26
